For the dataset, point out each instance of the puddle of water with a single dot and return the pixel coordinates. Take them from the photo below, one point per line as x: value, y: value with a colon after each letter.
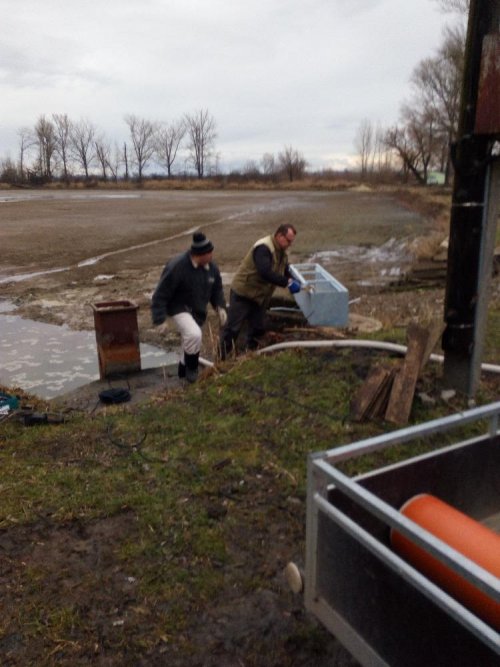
x: 6, y: 307
x: 378, y: 264
x: 49, y: 360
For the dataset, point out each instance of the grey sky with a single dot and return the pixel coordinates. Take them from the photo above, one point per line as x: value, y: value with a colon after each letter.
x: 271, y: 72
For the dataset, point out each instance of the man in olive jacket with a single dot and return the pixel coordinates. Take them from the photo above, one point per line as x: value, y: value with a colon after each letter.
x: 263, y: 268
x: 187, y: 284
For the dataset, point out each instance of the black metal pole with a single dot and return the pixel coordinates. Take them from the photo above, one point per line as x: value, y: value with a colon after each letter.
x: 472, y: 153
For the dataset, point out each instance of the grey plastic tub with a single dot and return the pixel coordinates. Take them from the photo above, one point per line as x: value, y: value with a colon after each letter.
x: 323, y: 300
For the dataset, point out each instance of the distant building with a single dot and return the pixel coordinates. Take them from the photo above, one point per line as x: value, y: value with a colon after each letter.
x: 435, y: 178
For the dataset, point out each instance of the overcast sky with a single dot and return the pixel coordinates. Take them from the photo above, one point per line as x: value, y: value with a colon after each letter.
x: 272, y: 73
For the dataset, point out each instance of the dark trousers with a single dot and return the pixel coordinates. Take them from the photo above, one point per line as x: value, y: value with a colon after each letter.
x: 242, y: 310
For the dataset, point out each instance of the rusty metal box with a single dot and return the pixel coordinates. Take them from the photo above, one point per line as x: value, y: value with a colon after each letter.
x: 117, y: 337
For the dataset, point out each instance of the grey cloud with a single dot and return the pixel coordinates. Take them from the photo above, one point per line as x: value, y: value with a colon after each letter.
x: 270, y: 71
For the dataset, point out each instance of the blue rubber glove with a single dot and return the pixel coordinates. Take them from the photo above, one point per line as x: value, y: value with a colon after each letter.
x: 294, y: 287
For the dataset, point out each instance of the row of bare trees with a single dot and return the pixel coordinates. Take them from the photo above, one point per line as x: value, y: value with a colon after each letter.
x: 62, y: 148
x: 422, y: 138
x: 162, y: 141
x: 58, y: 145
x: 288, y: 164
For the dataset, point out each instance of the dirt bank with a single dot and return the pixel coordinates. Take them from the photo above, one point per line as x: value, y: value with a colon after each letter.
x: 128, y: 525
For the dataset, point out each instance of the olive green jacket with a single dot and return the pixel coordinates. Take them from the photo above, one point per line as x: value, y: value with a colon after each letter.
x: 251, y: 284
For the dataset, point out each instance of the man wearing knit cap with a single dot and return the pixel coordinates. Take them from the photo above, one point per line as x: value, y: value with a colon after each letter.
x: 188, y: 283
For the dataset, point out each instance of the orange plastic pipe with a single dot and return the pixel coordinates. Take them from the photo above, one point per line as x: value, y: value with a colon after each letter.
x: 470, y: 538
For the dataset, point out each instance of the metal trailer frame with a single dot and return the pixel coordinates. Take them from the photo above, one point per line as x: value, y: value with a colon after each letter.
x: 323, y: 300
x: 382, y: 609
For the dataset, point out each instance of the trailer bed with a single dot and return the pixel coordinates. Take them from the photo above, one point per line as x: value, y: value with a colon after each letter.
x: 382, y: 609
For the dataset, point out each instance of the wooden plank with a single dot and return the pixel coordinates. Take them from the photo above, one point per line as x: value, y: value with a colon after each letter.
x: 403, y: 388
x: 367, y: 394
x: 435, y: 332
x: 381, y: 400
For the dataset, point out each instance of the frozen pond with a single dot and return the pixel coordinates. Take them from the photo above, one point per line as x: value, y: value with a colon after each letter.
x: 375, y: 265
x: 49, y: 360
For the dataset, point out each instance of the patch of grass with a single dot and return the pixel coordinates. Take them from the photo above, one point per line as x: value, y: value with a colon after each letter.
x: 210, y: 486
x: 492, y: 339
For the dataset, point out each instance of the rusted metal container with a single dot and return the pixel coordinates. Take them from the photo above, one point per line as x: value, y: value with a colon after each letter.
x: 117, y: 337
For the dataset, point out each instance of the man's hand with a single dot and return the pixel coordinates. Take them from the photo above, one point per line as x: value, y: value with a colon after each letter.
x: 163, y: 327
x: 294, y: 286
x: 222, y: 313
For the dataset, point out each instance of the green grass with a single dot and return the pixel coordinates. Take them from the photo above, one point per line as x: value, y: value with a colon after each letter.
x: 268, y: 411
x: 492, y: 339
x: 206, y: 479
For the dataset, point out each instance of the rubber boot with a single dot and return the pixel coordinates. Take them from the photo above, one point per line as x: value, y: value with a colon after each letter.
x: 223, y: 350
x: 191, y: 366
x: 226, y: 345
x: 181, y: 370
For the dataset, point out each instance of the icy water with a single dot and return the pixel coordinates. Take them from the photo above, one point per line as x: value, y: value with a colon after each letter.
x: 49, y: 360
x: 380, y: 264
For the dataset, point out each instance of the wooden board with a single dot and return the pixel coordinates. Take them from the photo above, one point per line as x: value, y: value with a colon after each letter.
x: 369, y: 394
x: 435, y: 332
x: 403, y: 388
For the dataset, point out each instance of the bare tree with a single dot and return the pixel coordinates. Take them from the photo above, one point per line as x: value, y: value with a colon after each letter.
x: 382, y: 162
x: 62, y: 127
x: 292, y: 163
x: 26, y: 141
x: 268, y: 163
x: 114, y: 162
x: 169, y: 139
x: 103, y: 152
x: 201, y: 130
x: 430, y: 118
x: 46, y: 140
x: 397, y: 139
x: 424, y: 137
x: 364, y: 143
x: 251, y: 169
x: 125, y: 161
x: 436, y: 84
x: 8, y: 171
x: 143, y: 136
x: 82, y: 144
x: 214, y: 165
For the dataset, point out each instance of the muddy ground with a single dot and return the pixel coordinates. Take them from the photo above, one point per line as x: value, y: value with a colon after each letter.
x: 63, y: 251
x: 96, y: 246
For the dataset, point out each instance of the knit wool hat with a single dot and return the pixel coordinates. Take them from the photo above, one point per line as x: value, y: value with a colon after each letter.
x: 201, y: 245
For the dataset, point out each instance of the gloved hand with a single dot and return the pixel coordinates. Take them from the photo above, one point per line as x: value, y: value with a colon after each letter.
x: 222, y: 313
x: 294, y: 287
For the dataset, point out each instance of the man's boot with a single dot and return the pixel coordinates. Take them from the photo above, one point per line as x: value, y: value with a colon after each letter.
x: 226, y: 346
x: 191, y: 366
x: 223, y: 350
x: 181, y: 370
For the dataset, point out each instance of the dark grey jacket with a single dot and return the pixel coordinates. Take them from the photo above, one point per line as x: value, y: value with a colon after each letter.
x: 184, y: 288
